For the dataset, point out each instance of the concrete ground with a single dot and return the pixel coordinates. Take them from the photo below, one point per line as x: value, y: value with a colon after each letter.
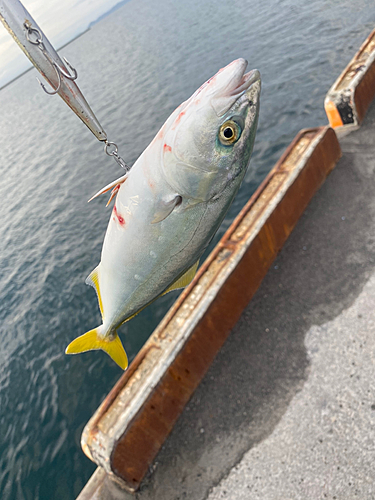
x: 287, y: 410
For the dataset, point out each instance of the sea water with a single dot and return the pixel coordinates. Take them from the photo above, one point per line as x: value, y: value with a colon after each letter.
x: 135, y: 67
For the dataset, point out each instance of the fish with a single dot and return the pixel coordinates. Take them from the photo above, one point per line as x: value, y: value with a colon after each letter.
x: 170, y: 204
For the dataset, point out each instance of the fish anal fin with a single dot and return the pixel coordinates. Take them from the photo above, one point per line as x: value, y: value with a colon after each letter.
x: 92, y: 341
x: 165, y: 208
x: 183, y: 280
x: 93, y: 280
x: 112, y: 185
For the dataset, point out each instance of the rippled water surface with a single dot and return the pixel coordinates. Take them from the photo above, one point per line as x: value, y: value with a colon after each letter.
x: 135, y: 67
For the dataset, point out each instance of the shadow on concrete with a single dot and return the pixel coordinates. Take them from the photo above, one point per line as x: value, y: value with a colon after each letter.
x: 319, y: 272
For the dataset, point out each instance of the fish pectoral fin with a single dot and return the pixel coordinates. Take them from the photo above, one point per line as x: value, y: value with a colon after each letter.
x: 165, y: 208
x: 92, y: 341
x: 183, y: 280
x: 93, y: 280
x: 112, y: 185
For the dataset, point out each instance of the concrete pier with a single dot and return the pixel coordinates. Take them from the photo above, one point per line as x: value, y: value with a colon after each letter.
x: 287, y: 409
x: 310, y: 429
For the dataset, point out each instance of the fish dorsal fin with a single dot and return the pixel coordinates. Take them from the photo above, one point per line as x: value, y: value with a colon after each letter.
x: 183, y: 280
x: 106, y: 188
x: 93, y: 280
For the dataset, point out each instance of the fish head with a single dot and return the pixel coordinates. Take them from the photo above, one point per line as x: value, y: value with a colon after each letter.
x: 209, y: 139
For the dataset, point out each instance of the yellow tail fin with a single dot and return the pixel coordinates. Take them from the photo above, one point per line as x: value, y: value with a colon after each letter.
x: 91, y: 341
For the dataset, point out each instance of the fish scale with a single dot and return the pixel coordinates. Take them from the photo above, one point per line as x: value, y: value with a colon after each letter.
x: 172, y: 202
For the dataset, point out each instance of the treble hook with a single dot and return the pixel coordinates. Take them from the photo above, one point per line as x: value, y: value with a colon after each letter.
x: 60, y: 71
x: 53, y: 92
x: 64, y: 73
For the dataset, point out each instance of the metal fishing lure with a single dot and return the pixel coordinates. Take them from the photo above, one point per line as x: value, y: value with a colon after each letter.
x: 59, y: 73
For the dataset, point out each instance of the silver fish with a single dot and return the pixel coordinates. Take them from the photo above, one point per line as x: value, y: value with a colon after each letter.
x: 171, y: 203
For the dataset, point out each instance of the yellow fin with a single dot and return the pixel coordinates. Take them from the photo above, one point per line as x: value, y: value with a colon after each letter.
x: 93, y: 280
x: 183, y: 280
x: 91, y: 341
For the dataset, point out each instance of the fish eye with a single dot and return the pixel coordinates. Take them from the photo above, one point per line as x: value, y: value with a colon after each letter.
x: 229, y: 133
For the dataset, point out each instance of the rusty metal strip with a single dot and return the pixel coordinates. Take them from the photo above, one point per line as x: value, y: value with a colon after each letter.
x: 128, y: 429
x: 350, y: 96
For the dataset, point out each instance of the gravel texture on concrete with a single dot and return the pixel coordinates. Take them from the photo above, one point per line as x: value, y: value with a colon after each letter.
x: 287, y: 409
x: 324, y: 445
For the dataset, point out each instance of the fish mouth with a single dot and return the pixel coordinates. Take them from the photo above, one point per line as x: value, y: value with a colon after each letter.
x: 247, y: 80
x: 239, y: 84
